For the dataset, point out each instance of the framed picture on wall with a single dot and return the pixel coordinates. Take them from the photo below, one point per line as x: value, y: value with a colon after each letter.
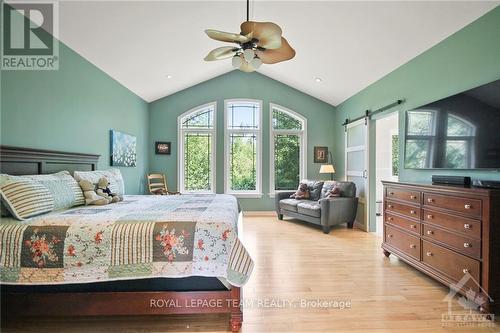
x: 163, y: 148
x: 123, y: 149
x: 320, y: 154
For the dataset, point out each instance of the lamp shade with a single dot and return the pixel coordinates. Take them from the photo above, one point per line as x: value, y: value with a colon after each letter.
x: 327, y: 168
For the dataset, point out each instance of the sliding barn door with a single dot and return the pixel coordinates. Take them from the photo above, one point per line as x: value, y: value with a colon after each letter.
x: 356, y: 165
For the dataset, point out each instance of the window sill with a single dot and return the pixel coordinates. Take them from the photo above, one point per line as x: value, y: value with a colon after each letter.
x: 273, y: 194
x: 247, y: 195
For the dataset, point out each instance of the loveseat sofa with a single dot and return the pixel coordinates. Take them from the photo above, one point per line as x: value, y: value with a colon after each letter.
x: 319, y: 209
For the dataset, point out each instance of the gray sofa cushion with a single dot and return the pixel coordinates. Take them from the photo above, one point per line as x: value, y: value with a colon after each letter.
x: 289, y: 204
x: 314, y: 188
x: 309, y: 207
x: 347, y: 189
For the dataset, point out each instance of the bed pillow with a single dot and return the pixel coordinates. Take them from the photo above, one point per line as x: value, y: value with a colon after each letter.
x: 64, y: 188
x: 114, y: 176
x: 25, y: 198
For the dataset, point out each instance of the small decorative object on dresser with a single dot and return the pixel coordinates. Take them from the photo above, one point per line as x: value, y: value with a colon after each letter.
x: 320, y: 154
x: 123, y: 149
x: 447, y: 232
x: 162, y: 148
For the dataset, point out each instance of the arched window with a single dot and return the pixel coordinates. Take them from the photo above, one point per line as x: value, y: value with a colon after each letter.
x: 243, y: 137
x: 196, y: 141
x: 459, y: 144
x: 288, y: 149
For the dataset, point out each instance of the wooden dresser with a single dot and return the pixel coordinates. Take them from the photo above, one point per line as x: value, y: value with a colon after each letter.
x: 446, y: 232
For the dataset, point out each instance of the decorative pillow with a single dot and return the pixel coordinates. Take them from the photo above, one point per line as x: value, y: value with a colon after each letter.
x: 301, y: 193
x: 64, y: 188
x: 334, y: 192
x: 114, y: 176
x: 25, y: 198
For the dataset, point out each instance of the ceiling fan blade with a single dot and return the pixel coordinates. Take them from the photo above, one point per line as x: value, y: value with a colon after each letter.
x: 268, y: 34
x: 220, y: 53
x: 285, y: 52
x: 226, y: 36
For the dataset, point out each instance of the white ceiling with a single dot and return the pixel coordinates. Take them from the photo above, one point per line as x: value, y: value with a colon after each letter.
x: 348, y: 44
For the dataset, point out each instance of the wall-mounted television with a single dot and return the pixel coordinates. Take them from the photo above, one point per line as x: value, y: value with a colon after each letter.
x: 458, y: 132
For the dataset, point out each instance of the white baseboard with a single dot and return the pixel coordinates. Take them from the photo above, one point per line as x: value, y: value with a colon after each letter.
x: 251, y: 213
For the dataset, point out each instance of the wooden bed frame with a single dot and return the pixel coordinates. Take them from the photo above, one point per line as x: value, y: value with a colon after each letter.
x: 23, y: 161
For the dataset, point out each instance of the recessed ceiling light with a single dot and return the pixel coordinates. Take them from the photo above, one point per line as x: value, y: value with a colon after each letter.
x: 169, y: 76
x: 318, y: 79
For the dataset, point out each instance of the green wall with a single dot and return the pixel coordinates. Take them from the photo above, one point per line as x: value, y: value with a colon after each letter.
x: 468, y: 58
x: 73, y: 109
x: 236, y: 84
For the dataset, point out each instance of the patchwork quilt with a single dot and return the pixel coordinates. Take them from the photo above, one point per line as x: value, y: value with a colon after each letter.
x: 140, y: 237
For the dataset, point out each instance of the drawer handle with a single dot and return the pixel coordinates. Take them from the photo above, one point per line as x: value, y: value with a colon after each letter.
x: 430, y: 232
x: 465, y: 270
x: 467, y: 226
x: 467, y: 245
x: 413, y: 197
x: 390, y: 218
x: 390, y: 235
x: 430, y: 200
x: 467, y: 206
x: 429, y: 254
x: 413, y: 226
x: 412, y: 246
x: 391, y: 193
x: 413, y: 212
x: 430, y: 217
x: 390, y: 206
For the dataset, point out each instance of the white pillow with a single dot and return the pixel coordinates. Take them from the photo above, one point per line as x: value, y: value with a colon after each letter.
x: 114, y: 177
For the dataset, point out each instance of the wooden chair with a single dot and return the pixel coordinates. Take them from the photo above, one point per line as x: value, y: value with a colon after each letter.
x: 157, y: 184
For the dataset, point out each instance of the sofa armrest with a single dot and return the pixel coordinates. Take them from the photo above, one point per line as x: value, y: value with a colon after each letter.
x: 338, y: 210
x: 280, y: 196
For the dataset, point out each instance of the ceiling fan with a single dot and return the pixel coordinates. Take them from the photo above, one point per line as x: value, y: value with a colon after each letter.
x: 258, y: 43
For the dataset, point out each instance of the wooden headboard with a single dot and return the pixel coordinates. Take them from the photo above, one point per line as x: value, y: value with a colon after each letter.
x: 29, y: 161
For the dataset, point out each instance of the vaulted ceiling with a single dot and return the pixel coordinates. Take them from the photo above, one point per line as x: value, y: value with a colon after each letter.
x: 156, y: 48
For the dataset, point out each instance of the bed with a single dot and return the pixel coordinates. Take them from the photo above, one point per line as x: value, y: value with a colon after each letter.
x: 144, y: 255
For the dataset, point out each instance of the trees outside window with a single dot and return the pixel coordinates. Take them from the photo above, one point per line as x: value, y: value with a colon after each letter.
x: 197, y: 149
x: 243, y: 147
x: 288, y: 149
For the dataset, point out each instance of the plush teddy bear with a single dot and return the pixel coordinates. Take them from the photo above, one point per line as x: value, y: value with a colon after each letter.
x: 334, y: 192
x: 91, y: 197
x: 104, y: 191
x: 301, y: 193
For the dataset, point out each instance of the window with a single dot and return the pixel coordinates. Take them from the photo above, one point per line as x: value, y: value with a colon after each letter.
x: 288, y: 149
x: 459, y: 143
x: 243, y: 148
x: 197, y: 149
x: 420, y: 138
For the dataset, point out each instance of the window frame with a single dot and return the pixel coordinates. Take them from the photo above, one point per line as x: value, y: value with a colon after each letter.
x: 257, y: 193
x: 181, y: 151
x: 303, y: 144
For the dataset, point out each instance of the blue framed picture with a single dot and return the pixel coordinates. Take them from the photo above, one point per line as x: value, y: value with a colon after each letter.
x: 123, y: 149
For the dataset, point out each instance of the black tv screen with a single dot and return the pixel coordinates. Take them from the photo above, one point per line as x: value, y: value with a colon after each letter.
x: 458, y: 132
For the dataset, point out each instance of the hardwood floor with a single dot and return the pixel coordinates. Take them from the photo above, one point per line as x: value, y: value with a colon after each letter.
x: 295, y: 261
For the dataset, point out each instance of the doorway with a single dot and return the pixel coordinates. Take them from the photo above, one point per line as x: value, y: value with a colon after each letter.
x: 387, y: 161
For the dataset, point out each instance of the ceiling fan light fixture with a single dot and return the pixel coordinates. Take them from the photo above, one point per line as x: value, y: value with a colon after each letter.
x: 248, y: 54
x: 256, y: 62
x: 236, y: 61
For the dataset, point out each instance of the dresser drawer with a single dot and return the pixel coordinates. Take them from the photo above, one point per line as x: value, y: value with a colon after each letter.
x: 466, y: 206
x: 403, y: 209
x: 403, y: 194
x: 402, y: 241
x: 408, y: 225
x: 452, y: 264
x: 462, y: 244
x: 468, y: 227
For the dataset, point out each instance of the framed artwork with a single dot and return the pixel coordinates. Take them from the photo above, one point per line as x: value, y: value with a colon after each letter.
x: 123, y: 149
x: 320, y: 154
x: 162, y: 148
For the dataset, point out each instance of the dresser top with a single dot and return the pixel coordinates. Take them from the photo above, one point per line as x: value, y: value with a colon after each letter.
x: 444, y: 188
